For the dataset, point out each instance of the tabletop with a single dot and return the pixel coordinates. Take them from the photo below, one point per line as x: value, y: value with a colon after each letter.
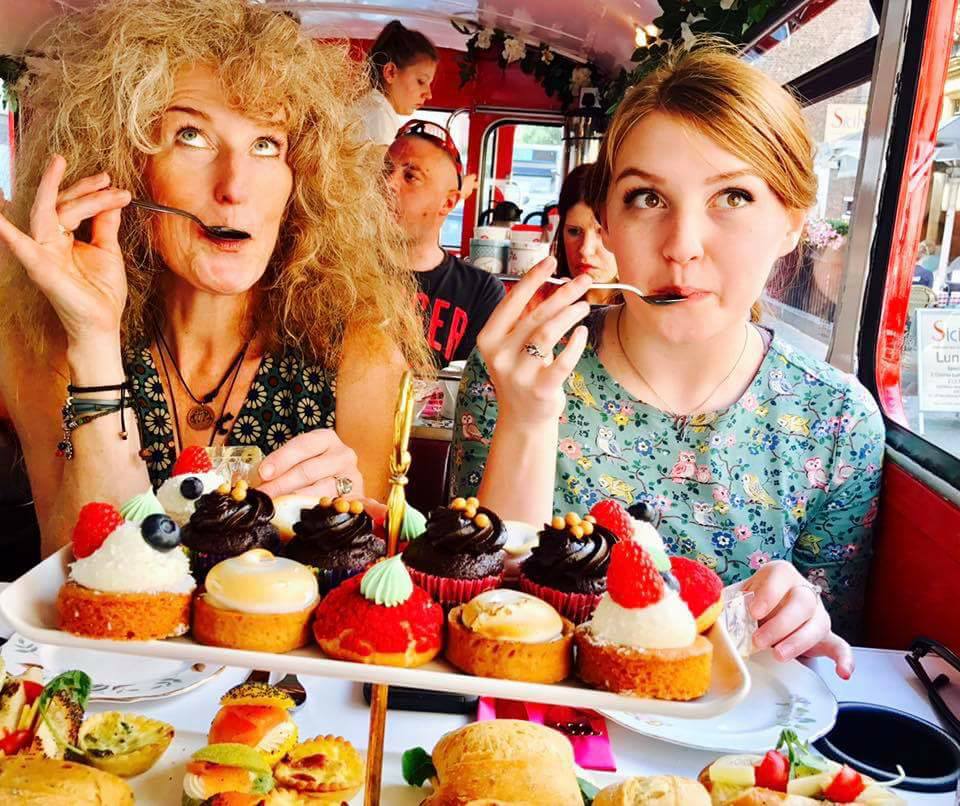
x: 337, y: 706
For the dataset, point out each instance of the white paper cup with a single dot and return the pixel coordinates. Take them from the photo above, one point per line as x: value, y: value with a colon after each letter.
x: 491, y: 233
x: 524, y: 256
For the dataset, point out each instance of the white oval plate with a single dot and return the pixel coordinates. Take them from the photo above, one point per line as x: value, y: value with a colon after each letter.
x: 116, y: 678
x: 783, y: 695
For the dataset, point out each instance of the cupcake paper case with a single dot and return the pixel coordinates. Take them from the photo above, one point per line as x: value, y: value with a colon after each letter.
x: 228, y: 522
x: 460, y: 554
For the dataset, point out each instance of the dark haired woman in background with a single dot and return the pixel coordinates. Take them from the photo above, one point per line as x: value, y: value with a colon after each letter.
x: 402, y: 66
x: 577, y: 245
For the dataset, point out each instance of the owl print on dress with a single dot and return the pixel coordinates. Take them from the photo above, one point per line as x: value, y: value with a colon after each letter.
x: 607, y: 443
x: 470, y: 431
x: 703, y: 514
x: 816, y: 475
x: 685, y: 468
x: 842, y: 472
x: 777, y: 381
x: 616, y: 488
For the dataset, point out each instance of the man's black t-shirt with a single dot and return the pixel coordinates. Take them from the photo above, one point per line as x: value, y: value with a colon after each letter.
x: 456, y: 299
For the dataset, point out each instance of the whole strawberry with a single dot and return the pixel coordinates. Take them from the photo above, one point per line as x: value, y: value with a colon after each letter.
x: 94, y: 524
x: 611, y: 515
x: 192, y: 460
x: 632, y: 578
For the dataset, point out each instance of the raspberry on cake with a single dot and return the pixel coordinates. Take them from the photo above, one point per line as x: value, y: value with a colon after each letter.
x: 380, y: 617
x: 130, y: 581
x: 642, y: 639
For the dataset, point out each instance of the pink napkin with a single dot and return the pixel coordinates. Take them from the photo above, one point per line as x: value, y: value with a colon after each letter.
x: 590, y: 752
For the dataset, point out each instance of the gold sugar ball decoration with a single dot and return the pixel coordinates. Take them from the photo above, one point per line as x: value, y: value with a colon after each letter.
x: 326, y: 502
x: 586, y: 526
x: 590, y: 519
x: 458, y: 504
x: 224, y: 489
x: 239, y: 492
x: 470, y: 513
x: 473, y: 503
x: 482, y: 520
x: 576, y: 531
x: 572, y: 519
x: 356, y: 507
x: 558, y: 522
x: 341, y: 505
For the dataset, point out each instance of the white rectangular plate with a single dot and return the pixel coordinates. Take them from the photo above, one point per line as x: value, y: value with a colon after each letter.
x: 162, y: 785
x: 29, y: 605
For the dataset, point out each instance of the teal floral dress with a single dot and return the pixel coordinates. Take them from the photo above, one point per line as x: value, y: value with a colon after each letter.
x: 791, y: 471
x: 287, y: 397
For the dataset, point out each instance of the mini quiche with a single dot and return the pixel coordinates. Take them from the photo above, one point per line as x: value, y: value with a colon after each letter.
x: 326, y: 769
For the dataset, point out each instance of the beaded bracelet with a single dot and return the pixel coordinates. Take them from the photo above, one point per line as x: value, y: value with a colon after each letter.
x: 76, y: 413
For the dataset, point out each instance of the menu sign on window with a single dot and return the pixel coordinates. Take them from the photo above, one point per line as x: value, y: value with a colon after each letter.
x: 938, y: 359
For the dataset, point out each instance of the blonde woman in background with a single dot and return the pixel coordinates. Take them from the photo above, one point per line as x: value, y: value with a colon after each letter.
x: 294, y: 339
x: 757, y: 459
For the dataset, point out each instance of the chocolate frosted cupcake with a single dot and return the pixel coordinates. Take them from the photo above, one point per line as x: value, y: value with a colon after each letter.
x: 226, y: 523
x: 460, y: 554
x: 568, y: 568
x: 336, y: 538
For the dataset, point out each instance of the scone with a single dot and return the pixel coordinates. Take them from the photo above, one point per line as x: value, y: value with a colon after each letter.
x: 256, y: 601
x: 642, y: 639
x: 510, y: 635
x: 656, y: 790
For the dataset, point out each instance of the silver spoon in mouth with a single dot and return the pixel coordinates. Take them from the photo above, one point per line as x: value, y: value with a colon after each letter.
x: 650, y: 299
x: 220, y: 233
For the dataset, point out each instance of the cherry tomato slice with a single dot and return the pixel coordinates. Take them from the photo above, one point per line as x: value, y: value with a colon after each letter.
x: 846, y: 786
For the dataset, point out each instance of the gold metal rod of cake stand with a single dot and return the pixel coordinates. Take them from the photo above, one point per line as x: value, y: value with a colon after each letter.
x: 396, y: 506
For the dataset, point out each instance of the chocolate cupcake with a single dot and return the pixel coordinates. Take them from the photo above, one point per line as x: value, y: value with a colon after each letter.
x: 568, y: 567
x: 460, y: 554
x: 336, y: 538
x: 226, y: 523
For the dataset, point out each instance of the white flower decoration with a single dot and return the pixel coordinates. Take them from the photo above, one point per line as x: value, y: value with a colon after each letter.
x: 485, y: 38
x: 579, y: 79
x: 688, y: 36
x: 514, y: 50
x: 289, y: 368
x: 247, y: 430
x: 153, y: 388
x: 314, y: 378
x: 257, y: 395
x: 309, y: 412
x: 283, y: 403
x: 278, y: 435
x: 157, y: 421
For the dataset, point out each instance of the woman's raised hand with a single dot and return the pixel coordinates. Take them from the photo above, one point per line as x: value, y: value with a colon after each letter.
x: 518, y: 348
x: 793, y: 620
x: 316, y: 463
x: 85, y: 283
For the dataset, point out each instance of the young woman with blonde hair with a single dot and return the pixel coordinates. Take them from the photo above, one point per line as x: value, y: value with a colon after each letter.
x: 759, y: 460
x: 292, y: 340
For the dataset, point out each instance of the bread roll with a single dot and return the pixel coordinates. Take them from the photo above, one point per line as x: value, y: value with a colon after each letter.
x: 658, y: 790
x: 504, y: 761
x: 31, y: 780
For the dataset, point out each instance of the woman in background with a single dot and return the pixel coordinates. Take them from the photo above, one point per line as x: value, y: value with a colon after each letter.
x: 578, y: 245
x: 402, y: 66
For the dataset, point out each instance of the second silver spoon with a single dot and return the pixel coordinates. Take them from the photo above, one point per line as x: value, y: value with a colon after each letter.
x: 650, y: 299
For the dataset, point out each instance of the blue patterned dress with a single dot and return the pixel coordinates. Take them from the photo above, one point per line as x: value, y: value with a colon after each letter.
x: 791, y: 470
x: 287, y: 397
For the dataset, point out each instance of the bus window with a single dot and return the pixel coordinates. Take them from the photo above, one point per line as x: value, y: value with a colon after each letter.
x: 930, y: 361
x: 523, y: 164
x: 458, y: 125
x: 801, y: 298
x: 6, y: 162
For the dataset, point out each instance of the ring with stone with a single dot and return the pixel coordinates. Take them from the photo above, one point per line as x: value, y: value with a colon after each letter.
x: 343, y: 484
x: 63, y: 230
x: 536, y: 352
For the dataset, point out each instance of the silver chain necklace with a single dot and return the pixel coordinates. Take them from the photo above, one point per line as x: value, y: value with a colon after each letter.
x: 702, y: 403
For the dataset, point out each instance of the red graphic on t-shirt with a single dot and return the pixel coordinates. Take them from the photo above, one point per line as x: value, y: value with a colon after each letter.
x: 440, y: 317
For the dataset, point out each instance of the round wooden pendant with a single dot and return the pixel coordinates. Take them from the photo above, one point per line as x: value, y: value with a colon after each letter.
x: 201, y: 417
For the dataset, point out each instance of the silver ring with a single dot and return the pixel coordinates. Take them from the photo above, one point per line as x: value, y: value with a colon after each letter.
x: 536, y: 352
x: 343, y: 484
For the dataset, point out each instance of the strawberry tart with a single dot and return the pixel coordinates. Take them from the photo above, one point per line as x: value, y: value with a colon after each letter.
x: 130, y: 581
x: 380, y: 617
x: 642, y: 639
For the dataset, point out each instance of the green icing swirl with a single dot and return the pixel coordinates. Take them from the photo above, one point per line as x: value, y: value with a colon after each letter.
x: 387, y: 583
x: 414, y: 524
x: 140, y: 507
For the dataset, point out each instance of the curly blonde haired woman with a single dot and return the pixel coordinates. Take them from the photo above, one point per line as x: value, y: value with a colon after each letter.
x: 292, y: 340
